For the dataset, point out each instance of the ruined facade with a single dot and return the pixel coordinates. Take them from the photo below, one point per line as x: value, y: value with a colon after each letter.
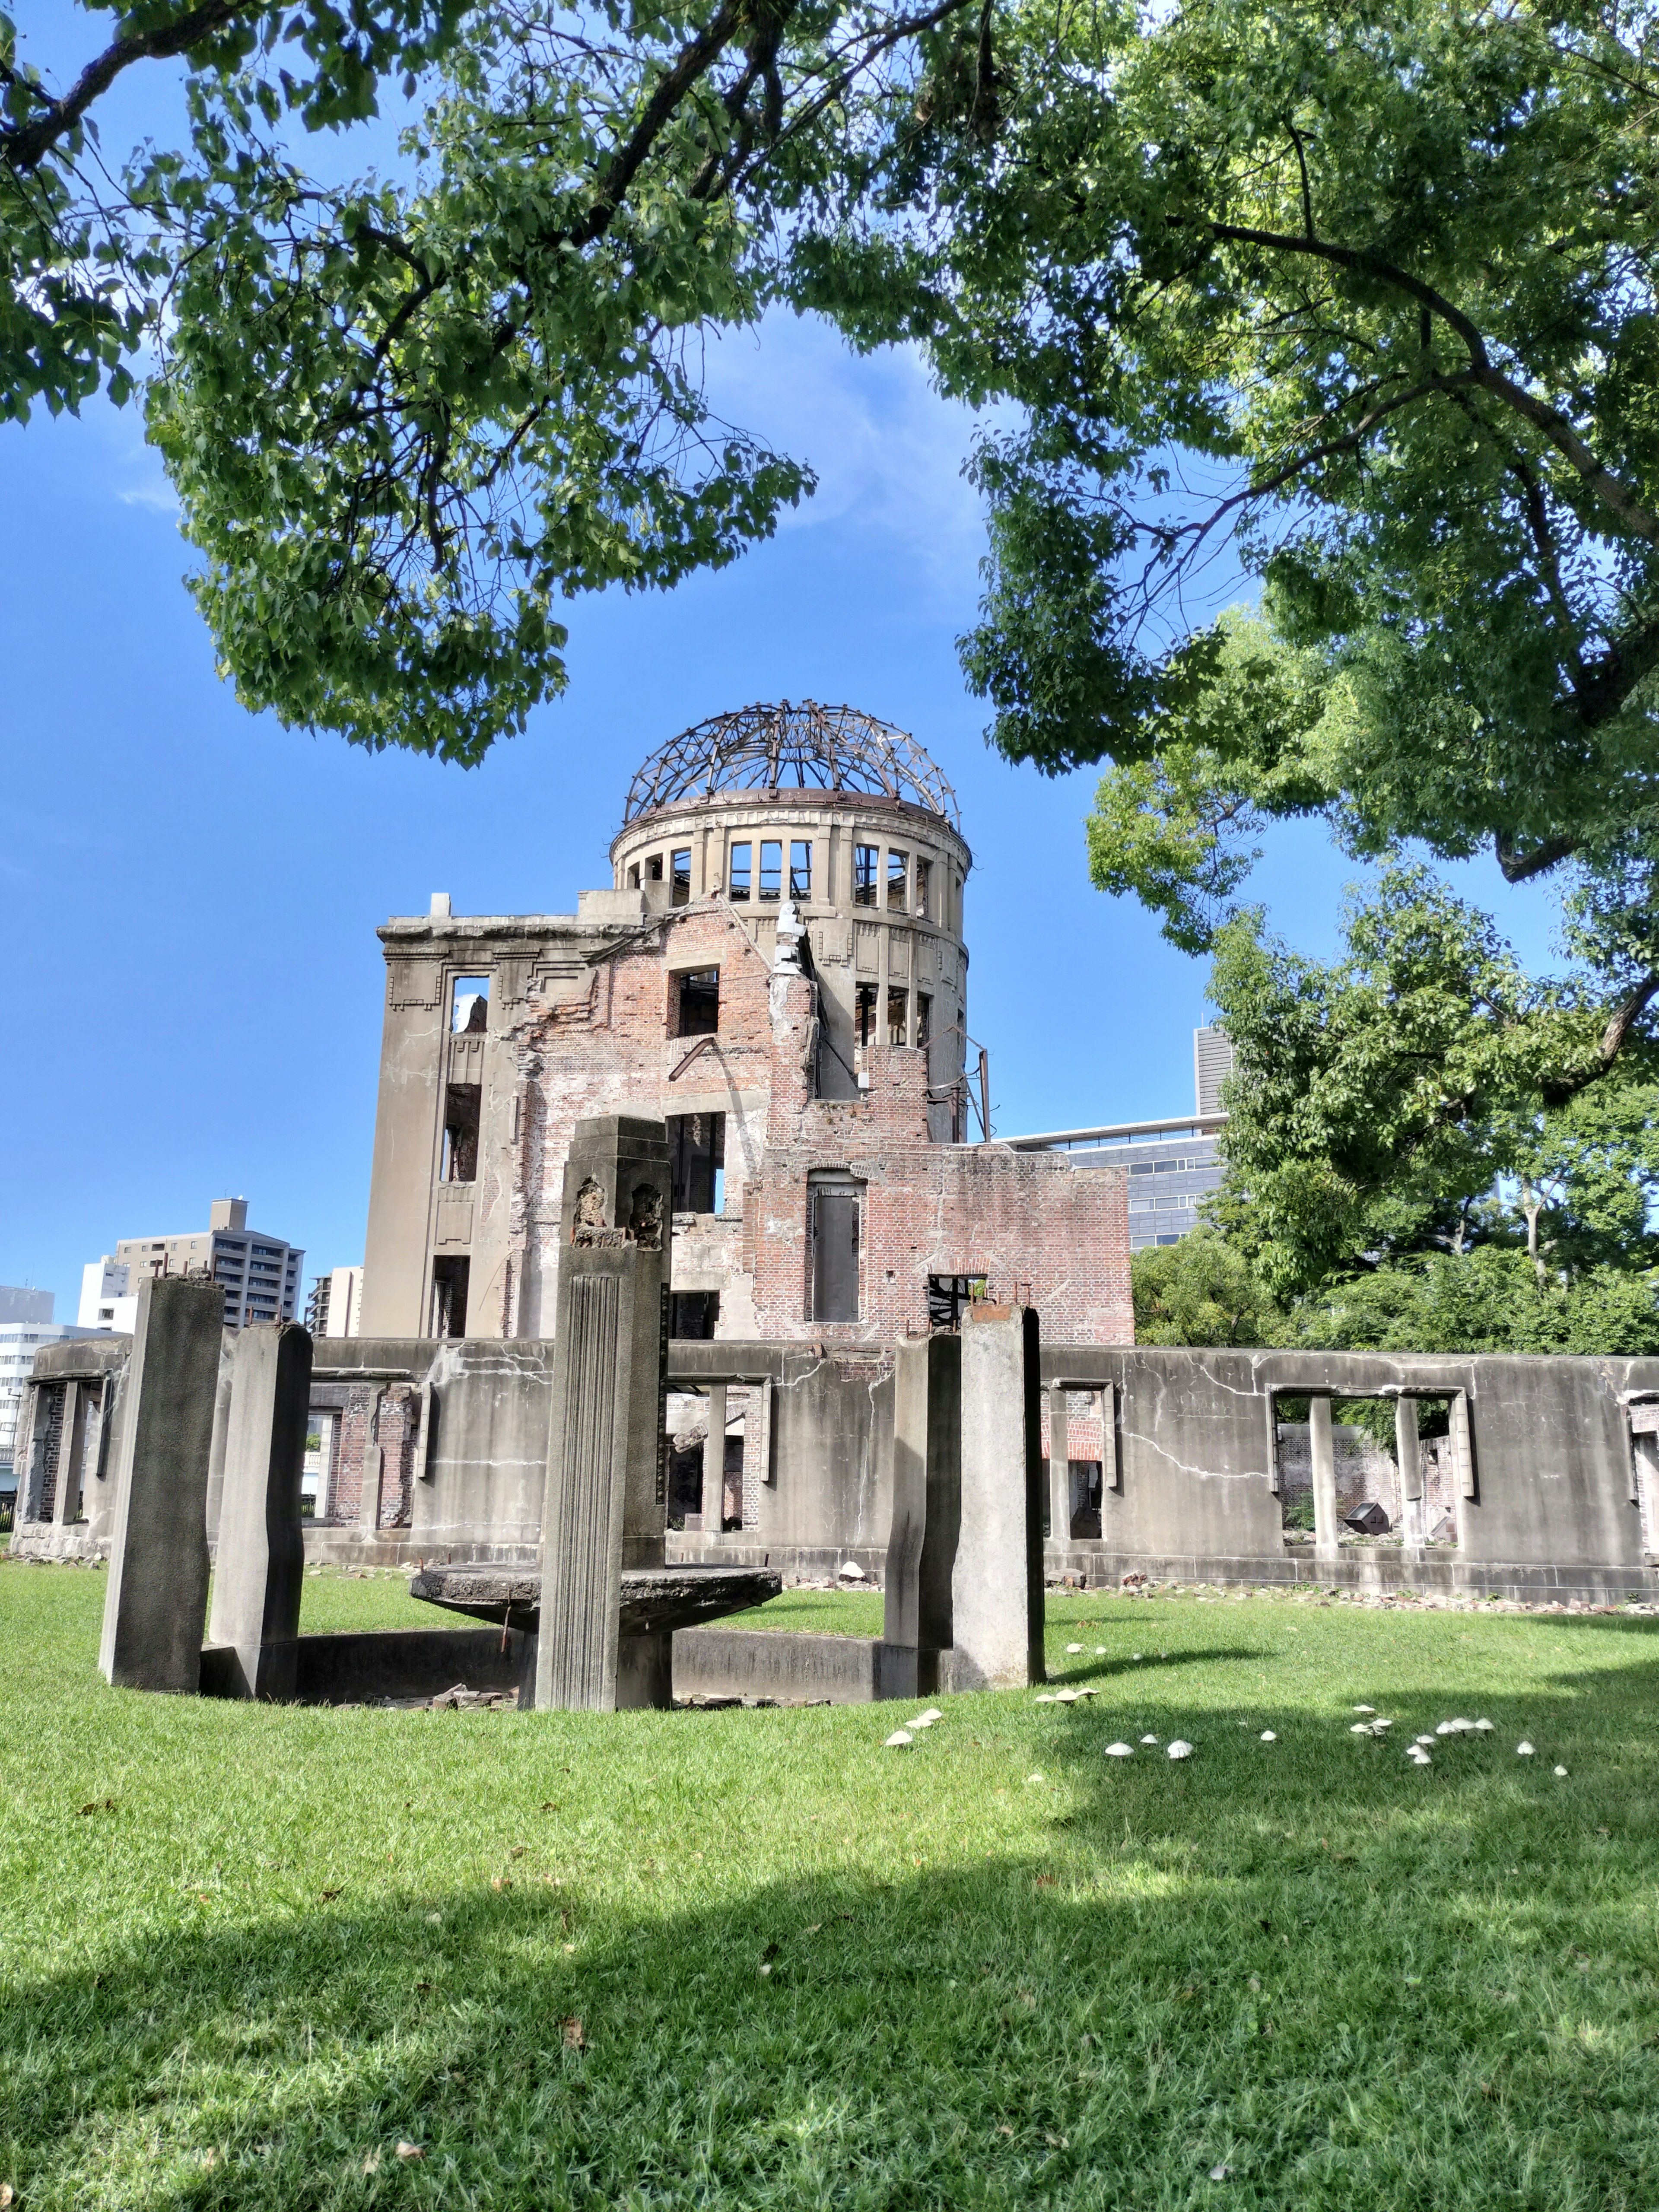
x: 778, y: 971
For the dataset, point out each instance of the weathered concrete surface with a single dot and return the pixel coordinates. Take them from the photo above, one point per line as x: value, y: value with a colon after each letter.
x: 98, y: 1365
x: 156, y: 1601
x: 260, y: 1567
x: 221, y: 1436
x: 996, y: 1584
x: 650, y: 1599
x: 916, y: 1616
x: 357, y: 1669
x: 756, y: 1662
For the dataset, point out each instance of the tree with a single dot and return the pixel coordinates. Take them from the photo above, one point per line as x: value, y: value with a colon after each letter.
x: 406, y: 415
x: 1202, y: 1290
x: 1424, y: 1094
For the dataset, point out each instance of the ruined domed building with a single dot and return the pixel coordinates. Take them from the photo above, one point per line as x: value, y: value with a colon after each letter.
x: 778, y: 971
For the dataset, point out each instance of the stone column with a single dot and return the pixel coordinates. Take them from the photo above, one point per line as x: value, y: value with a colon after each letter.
x: 260, y: 1568
x: 97, y: 1485
x: 1060, y: 1469
x: 996, y: 1584
x: 221, y: 1430
x: 26, y: 1456
x: 1408, y: 1450
x: 155, y: 1603
x: 71, y: 1444
x: 1323, y: 1452
x: 605, y: 1504
x: 714, y: 1460
x: 917, y: 1615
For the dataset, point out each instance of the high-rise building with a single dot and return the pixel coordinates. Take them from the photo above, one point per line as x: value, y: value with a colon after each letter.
x: 1212, y: 1063
x: 335, y: 1299
x: 259, y: 1273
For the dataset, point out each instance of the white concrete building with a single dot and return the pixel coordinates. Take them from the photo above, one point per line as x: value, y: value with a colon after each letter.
x: 105, y: 1301
x: 335, y: 1303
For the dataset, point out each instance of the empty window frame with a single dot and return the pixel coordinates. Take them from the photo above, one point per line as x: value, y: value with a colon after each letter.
x: 462, y: 1102
x: 898, y: 881
x: 680, y: 877
x: 863, y: 1011
x: 898, y: 1015
x: 654, y: 869
x: 866, y: 861
x: 698, y: 1002
x: 1085, y: 1484
x: 696, y: 1152
x: 948, y: 1298
x: 738, y: 872
x: 693, y: 1315
x: 469, y: 1004
x: 800, y: 868
x: 633, y: 875
x: 924, y: 889
x: 771, y: 872
x: 835, y: 1206
x: 449, y: 1285
x: 924, y: 1018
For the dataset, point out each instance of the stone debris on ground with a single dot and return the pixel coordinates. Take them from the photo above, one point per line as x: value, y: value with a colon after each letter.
x: 460, y: 1700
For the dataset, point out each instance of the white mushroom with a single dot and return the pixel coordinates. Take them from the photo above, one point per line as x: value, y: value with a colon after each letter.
x: 1523, y: 1750
x: 1268, y: 1736
x: 1181, y: 1748
x: 1149, y: 1739
x: 898, y: 1739
x: 1119, y: 1751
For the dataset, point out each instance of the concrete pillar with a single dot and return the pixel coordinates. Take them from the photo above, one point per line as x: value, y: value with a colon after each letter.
x: 996, y: 1584
x: 260, y: 1567
x: 71, y: 1443
x: 155, y: 1603
x: 714, y: 1460
x: 221, y: 1430
x: 1060, y: 1469
x: 1408, y: 1450
x: 98, y: 1469
x: 25, y: 1456
x: 1322, y: 1451
x: 916, y: 1616
x: 605, y: 1505
x: 369, y: 1497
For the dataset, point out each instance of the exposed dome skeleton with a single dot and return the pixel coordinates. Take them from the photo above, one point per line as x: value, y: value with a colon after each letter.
x: 803, y: 744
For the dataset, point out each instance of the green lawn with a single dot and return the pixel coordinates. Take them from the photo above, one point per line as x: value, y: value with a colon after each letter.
x: 753, y: 1959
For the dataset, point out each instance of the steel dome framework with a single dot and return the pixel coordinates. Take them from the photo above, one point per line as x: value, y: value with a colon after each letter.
x: 800, y: 746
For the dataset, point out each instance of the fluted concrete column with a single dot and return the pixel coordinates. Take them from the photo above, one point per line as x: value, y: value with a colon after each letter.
x: 260, y: 1568
x: 71, y: 1444
x: 155, y: 1603
x: 1060, y: 1468
x: 996, y: 1585
x: 1322, y: 1451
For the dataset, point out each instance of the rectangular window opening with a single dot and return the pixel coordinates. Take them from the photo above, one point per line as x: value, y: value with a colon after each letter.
x: 633, y: 875
x: 693, y: 1315
x: 925, y: 889
x: 654, y: 869
x: 771, y: 875
x: 680, y: 866
x: 865, y: 1012
x: 738, y: 872
x: 469, y: 1005
x: 898, y: 881
x: 864, y: 860
x: 698, y: 1002
x: 800, y: 868
x: 449, y: 1285
x: 462, y: 1105
x: 948, y: 1298
x: 835, y: 1206
x: 1084, y: 1476
x: 898, y: 1016
x: 924, y: 1018
x: 696, y: 1151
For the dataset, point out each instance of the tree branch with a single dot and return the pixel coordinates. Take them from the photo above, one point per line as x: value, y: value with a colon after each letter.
x: 25, y: 148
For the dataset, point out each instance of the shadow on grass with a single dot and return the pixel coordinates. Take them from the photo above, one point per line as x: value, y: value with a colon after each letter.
x: 1351, y: 1984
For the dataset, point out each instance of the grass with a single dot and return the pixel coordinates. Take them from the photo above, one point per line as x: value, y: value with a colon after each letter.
x: 752, y: 1958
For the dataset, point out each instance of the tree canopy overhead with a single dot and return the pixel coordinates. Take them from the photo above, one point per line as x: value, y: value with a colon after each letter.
x: 1365, y: 291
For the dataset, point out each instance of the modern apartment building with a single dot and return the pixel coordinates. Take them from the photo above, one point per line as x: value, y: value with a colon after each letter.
x: 335, y: 1302
x: 259, y: 1273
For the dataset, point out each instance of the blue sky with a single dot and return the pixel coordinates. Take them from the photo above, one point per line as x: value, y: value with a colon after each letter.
x: 191, y: 893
